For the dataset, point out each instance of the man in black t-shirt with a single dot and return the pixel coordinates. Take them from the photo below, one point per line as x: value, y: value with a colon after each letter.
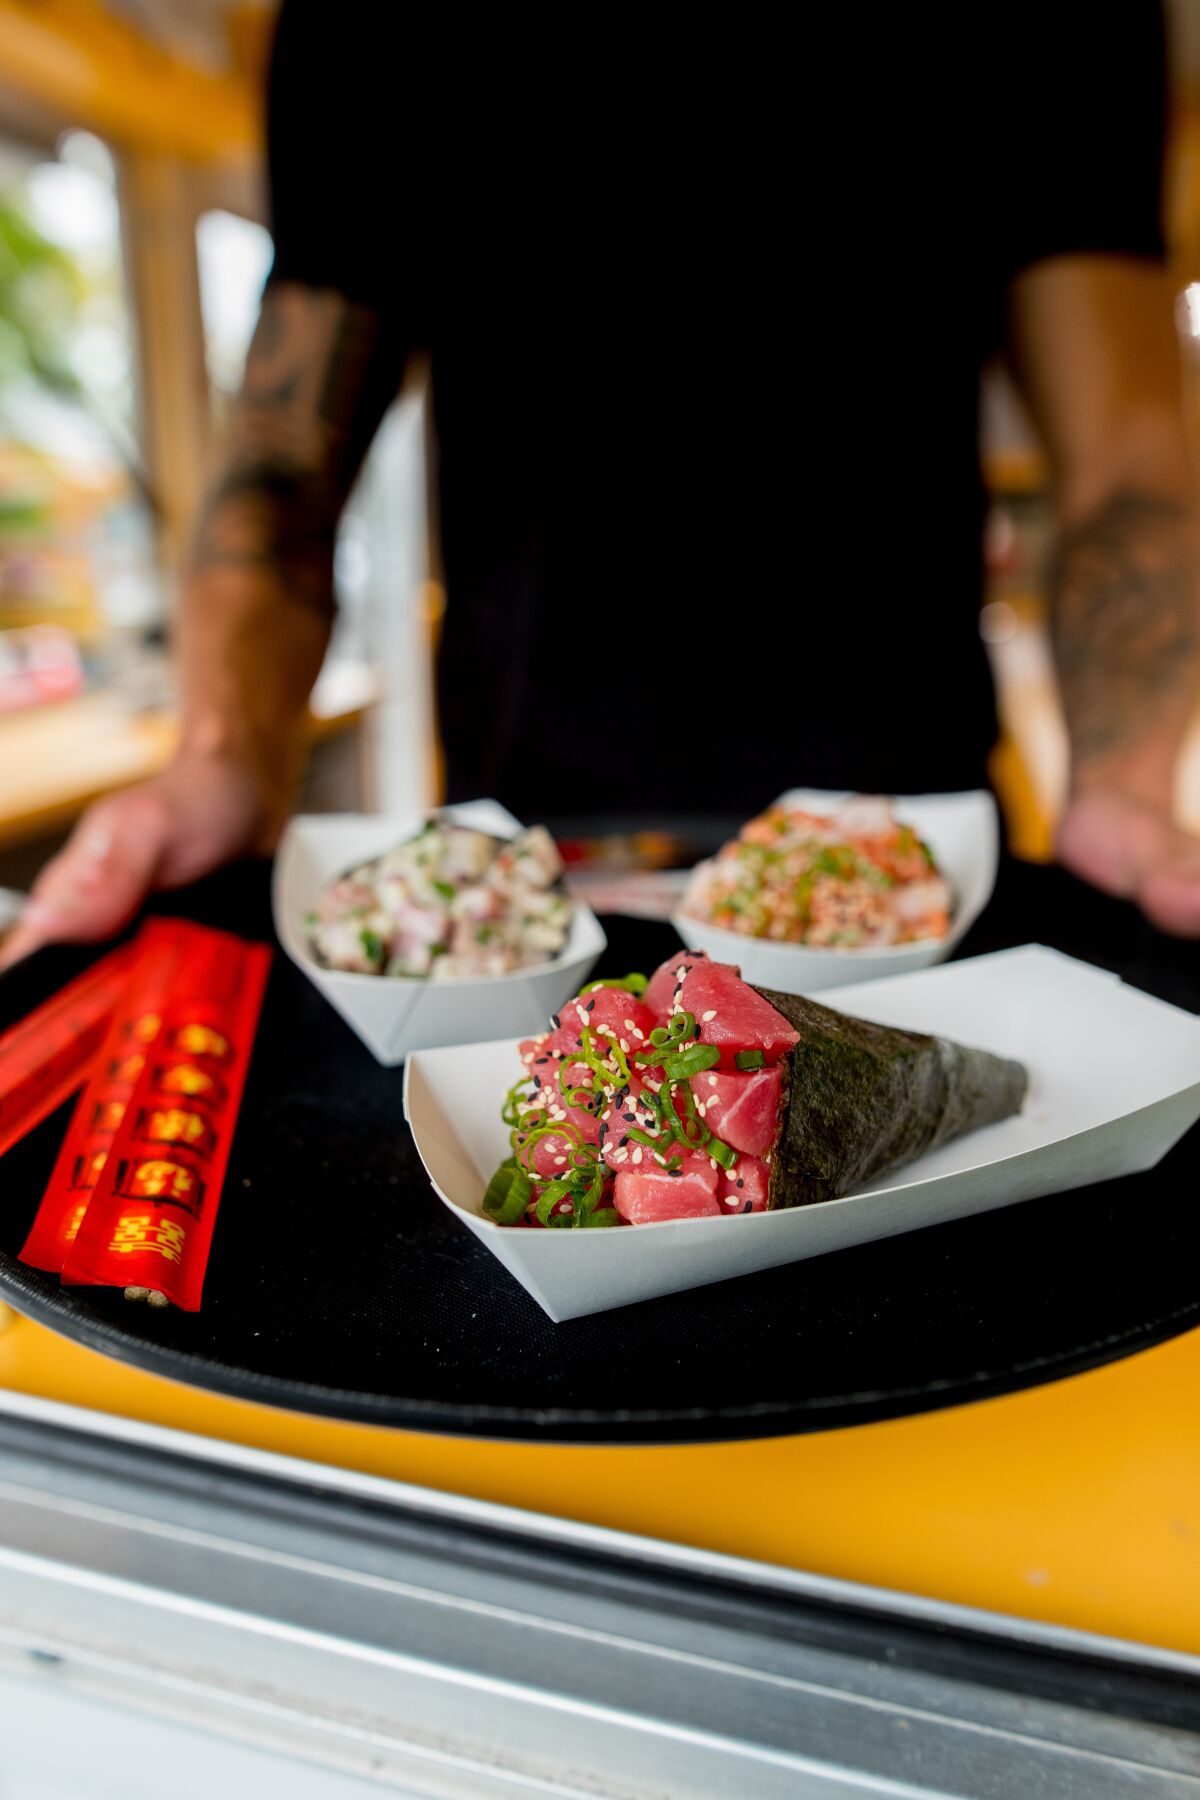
x: 705, y: 384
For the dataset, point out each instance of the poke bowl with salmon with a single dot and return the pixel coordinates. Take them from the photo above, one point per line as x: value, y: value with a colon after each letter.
x: 824, y: 889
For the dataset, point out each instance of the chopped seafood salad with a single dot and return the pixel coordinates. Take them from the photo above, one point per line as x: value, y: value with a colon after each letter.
x: 451, y: 904
x: 853, y: 878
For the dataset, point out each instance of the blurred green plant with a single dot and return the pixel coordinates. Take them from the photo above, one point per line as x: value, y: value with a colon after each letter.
x: 41, y: 291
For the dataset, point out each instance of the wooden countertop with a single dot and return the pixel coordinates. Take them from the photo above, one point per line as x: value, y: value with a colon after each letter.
x: 55, y: 760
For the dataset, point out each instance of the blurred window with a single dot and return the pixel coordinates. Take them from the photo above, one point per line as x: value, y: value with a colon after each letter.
x: 76, y: 538
x: 234, y: 255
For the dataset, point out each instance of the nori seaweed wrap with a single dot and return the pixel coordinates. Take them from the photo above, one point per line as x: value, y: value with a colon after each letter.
x: 862, y: 1099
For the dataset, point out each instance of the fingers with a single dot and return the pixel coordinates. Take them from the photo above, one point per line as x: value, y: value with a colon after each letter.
x: 97, y: 882
x: 1169, y: 892
x: 1134, y: 851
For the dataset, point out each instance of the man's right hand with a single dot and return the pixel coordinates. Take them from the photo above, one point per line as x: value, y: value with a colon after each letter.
x: 199, y: 813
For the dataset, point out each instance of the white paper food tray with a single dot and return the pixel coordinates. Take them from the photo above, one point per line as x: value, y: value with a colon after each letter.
x: 1114, y: 1083
x: 962, y: 832
x: 393, y: 1016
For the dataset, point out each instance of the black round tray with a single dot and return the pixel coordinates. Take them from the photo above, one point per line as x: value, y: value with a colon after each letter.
x: 339, y: 1283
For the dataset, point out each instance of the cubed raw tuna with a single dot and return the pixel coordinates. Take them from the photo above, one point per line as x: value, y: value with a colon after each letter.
x: 744, y: 1110
x: 644, y: 1195
x: 744, y: 1187
x: 628, y: 1114
x: 731, y: 1015
x: 606, y: 1010
x: 660, y: 994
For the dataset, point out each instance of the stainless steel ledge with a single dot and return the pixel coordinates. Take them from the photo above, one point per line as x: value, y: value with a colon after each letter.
x: 437, y: 1646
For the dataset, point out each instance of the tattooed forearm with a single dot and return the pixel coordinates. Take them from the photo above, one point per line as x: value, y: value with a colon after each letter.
x: 1125, y: 619
x: 319, y: 376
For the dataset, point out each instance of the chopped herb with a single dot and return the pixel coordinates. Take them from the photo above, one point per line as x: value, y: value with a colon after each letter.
x: 374, y: 948
x: 508, y: 1194
x: 691, y: 1062
x: 446, y: 889
x: 749, y: 1059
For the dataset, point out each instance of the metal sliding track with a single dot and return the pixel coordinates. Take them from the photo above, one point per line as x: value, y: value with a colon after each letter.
x: 351, y: 1635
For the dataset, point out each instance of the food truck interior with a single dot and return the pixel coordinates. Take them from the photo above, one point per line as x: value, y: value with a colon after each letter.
x: 333, y: 1461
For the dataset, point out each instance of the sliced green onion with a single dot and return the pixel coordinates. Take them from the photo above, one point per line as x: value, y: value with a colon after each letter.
x: 561, y: 1129
x: 598, y: 1063
x: 548, y: 1199
x: 605, y: 1215
x: 446, y: 889
x: 660, y: 1143
x: 691, y: 1062
x: 724, y: 1155
x: 672, y: 1037
x: 749, y: 1059
x: 690, y: 1130
x: 510, y: 1112
x: 507, y: 1194
x: 574, y: 1096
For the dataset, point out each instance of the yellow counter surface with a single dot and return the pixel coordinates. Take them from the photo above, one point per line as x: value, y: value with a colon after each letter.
x: 1077, y: 1503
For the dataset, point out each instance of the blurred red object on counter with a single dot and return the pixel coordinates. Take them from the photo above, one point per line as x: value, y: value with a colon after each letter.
x: 38, y: 664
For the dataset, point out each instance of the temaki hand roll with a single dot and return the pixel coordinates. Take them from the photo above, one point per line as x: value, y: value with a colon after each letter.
x: 862, y: 1099
x: 696, y: 1094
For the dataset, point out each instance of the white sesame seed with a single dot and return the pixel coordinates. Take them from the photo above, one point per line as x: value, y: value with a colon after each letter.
x: 639, y: 1035
x: 624, y: 1043
x: 629, y: 1024
x: 559, y: 1161
x: 699, y: 1109
x: 620, y: 1156
x: 712, y: 1162
x: 527, y: 1059
x: 681, y: 971
x: 637, y: 1155
x: 710, y: 1014
x: 712, y: 1081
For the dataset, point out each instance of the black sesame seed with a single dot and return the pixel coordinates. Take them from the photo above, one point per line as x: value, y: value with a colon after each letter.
x: 748, y: 1207
x: 623, y: 1142
x: 590, y: 1007
x: 741, y: 1183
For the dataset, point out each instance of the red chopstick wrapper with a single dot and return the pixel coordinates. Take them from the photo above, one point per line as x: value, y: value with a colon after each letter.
x: 150, y: 967
x: 46, y: 1056
x: 133, y: 1198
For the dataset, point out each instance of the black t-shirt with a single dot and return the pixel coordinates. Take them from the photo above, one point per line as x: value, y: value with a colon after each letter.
x: 706, y: 309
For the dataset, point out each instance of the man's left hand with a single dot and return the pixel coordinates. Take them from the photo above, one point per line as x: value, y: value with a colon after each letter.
x: 1128, y: 848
